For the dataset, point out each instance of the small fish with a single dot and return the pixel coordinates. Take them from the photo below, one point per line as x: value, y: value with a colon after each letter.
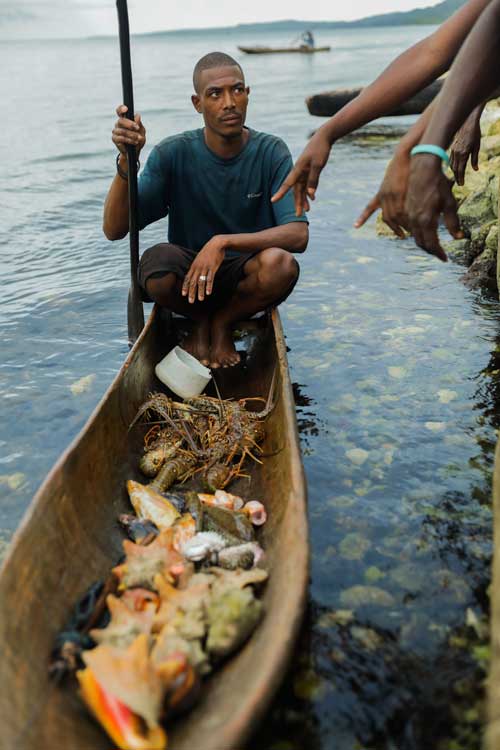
x: 202, y: 544
x: 150, y: 504
x: 255, y: 512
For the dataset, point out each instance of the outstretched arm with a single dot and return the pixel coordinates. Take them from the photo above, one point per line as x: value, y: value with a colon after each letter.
x: 391, y: 195
x: 473, y: 77
x: 404, y: 77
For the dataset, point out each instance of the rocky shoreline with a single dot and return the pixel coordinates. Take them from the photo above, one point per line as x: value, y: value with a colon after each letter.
x: 478, y: 210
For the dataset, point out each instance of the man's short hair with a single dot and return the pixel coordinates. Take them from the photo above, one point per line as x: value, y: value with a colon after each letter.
x: 213, y: 60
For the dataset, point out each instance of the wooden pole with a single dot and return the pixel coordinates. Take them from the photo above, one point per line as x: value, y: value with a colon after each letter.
x: 135, y: 311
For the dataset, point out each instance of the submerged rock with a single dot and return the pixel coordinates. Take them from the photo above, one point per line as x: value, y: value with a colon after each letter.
x: 483, y: 271
x: 308, y: 685
x: 354, y: 546
x: 461, y: 251
x: 336, y: 617
x: 367, y: 637
x: 478, y: 237
x: 13, y: 481
x: 364, y: 596
x: 373, y: 574
x: 357, y: 455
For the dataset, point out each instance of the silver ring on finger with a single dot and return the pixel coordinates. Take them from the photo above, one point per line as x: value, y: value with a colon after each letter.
x: 202, y: 278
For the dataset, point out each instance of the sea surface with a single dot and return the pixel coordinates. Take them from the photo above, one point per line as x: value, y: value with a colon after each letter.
x: 395, y: 365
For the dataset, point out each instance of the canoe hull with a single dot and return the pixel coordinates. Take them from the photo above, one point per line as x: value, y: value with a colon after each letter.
x: 69, y: 538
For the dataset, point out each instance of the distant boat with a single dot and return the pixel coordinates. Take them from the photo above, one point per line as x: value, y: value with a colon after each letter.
x: 304, y: 49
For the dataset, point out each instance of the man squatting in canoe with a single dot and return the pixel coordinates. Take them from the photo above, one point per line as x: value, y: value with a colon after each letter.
x: 229, y: 249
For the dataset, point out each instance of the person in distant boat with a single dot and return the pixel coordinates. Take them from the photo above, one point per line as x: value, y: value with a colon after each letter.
x: 405, y: 76
x: 473, y: 77
x: 308, y: 39
x: 230, y: 252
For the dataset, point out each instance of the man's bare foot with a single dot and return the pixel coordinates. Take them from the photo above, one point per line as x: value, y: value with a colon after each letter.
x: 197, y: 342
x: 222, y: 350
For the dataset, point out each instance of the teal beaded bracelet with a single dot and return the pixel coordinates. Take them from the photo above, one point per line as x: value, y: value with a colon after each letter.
x: 429, y: 148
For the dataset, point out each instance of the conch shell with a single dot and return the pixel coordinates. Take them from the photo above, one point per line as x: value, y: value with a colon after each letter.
x: 232, y: 614
x: 143, y: 563
x: 130, y: 677
x: 255, y: 512
x: 125, y: 624
x: 125, y: 728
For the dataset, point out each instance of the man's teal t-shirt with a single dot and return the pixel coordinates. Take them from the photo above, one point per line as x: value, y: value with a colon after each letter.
x: 205, y: 195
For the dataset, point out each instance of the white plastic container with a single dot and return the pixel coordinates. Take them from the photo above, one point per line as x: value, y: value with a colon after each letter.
x: 182, y: 373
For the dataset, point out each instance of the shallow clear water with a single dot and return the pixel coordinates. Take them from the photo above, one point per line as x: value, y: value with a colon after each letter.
x: 395, y: 363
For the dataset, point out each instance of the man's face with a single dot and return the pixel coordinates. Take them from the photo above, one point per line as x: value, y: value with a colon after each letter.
x: 222, y: 99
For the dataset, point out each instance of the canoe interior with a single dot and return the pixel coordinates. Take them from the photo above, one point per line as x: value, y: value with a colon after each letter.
x: 69, y: 538
x: 282, y: 50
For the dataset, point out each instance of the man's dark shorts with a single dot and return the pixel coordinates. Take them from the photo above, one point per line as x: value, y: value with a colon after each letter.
x: 167, y: 258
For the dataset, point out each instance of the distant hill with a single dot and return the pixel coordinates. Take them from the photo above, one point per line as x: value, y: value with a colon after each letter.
x: 431, y: 15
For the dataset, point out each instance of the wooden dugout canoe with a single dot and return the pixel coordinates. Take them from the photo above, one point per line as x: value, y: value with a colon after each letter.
x: 69, y: 538
x: 304, y: 50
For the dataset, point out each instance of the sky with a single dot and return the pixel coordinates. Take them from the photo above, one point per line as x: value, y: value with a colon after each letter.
x: 56, y: 18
